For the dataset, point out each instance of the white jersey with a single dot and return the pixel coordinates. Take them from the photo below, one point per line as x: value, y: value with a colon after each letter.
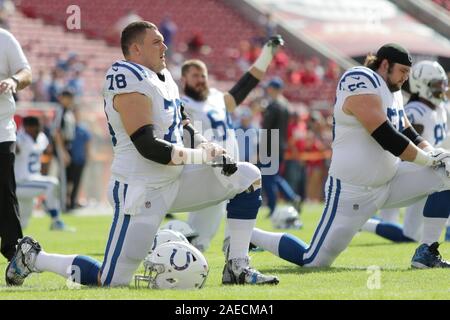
x: 128, y: 164
x: 12, y: 60
x: 357, y: 158
x: 28, y: 159
x: 211, y: 119
x: 434, y: 122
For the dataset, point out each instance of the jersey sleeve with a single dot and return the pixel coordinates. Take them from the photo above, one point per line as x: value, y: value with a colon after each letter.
x: 16, y: 58
x: 124, y: 77
x: 357, y: 82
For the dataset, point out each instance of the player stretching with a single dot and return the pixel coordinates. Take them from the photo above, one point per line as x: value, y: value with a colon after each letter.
x: 426, y: 112
x: 152, y: 174
x: 371, y: 136
x: 208, y: 110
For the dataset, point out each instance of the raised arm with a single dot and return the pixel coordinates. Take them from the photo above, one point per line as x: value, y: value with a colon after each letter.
x: 251, y: 78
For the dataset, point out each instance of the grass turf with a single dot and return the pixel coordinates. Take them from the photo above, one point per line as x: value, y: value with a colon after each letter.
x: 347, y: 279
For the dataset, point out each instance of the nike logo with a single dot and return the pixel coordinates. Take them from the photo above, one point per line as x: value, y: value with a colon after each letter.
x: 356, y: 78
x: 115, y: 68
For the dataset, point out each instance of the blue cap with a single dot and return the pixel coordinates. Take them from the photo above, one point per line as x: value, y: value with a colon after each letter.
x: 276, y: 83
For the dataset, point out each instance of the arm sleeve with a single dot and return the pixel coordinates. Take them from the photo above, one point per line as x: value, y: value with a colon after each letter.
x: 16, y: 58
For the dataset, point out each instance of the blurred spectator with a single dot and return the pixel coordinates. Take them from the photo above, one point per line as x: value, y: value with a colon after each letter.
x: 196, y: 42
x: 332, y: 71
x: 168, y: 29
x: 71, y: 64
x: 63, y: 133
x: 129, y: 17
x: 247, y: 136
x: 293, y: 74
x: 315, y: 161
x: 75, y: 84
x: 7, y: 9
x: 64, y: 126
x: 310, y: 77
x: 79, y: 154
x: 295, y: 169
x: 281, y: 60
x: 56, y: 85
x: 276, y: 117
x: 39, y: 88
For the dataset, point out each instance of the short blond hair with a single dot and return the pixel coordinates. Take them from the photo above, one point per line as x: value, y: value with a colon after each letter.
x: 192, y: 63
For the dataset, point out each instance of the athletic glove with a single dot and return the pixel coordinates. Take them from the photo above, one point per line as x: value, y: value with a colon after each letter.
x: 227, y: 163
x: 440, y: 156
x: 434, y: 158
x: 268, y: 51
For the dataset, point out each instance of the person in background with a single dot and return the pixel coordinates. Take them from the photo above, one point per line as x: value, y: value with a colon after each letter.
x: 276, y: 117
x: 79, y: 154
x: 15, y: 74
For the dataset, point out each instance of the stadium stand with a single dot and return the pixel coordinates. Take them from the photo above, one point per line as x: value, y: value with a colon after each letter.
x: 222, y: 26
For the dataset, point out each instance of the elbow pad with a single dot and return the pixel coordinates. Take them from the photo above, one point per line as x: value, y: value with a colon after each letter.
x: 243, y: 87
x: 151, y: 147
x: 390, y: 139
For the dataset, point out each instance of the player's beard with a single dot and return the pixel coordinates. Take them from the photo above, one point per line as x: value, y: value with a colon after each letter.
x: 393, y: 87
x: 196, y: 94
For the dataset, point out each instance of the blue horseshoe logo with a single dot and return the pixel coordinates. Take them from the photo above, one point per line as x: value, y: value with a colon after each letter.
x: 172, y: 263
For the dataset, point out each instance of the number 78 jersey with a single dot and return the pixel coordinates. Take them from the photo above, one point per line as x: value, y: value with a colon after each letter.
x: 128, y: 165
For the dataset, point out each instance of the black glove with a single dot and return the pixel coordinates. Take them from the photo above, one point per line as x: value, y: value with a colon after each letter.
x: 227, y: 164
x: 275, y: 41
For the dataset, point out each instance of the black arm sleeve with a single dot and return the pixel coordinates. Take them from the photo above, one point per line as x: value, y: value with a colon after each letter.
x: 151, y: 147
x: 191, y: 137
x: 413, y: 135
x: 184, y: 115
x: 243, y: 87
x: 390, y: 139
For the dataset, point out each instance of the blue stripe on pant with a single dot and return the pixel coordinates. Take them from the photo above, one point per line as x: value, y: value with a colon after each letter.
x: 123, y: 225
x: 328, y: 225
x: 118, y: 249
x: 114, y: 223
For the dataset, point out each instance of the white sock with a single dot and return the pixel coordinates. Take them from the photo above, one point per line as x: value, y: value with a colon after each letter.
x: 432, y: 229
x: 267, y: 240
x: 56, y: 263
x: 240, y: 231
x: 371, y: 225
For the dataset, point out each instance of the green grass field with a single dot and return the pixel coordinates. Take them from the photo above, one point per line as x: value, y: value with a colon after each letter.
x: 347, y: 279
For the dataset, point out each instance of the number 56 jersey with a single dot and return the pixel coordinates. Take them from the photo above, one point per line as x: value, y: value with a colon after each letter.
x: 128, y: 164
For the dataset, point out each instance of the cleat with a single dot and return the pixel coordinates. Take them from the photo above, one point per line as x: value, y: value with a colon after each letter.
x: 59, y: 225
x: 238, y: 271
x: 22, y: 263
x: 428, y: 257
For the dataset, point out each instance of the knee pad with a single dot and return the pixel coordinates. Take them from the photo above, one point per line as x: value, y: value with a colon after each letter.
x: 437, y: 205
x: 249, y: 176
x: 245, y: 205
